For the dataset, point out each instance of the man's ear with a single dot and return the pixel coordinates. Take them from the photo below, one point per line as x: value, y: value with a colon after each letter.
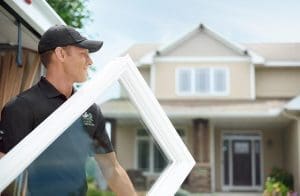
x: 60, y: 53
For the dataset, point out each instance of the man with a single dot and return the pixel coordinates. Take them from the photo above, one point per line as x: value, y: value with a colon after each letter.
x: 59, y: 170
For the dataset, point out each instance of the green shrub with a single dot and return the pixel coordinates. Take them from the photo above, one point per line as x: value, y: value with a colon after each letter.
x: 273, y: 186
x: 280, y: 175
x: 94, y: 191
x: 279, y: 181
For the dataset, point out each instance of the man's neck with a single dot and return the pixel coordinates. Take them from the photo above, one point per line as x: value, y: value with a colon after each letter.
x: 62, y: 85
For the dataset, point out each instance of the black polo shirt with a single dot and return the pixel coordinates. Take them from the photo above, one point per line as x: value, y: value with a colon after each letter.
x: 59, y: 170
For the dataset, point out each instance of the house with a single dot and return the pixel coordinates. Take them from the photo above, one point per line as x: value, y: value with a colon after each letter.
x: 234, y: 105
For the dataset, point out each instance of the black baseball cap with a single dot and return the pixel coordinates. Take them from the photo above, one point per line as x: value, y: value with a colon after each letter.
x: 61, y: 35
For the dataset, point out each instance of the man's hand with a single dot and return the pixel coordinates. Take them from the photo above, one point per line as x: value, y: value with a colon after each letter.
x: 115, y: 175
x: 1, y: 154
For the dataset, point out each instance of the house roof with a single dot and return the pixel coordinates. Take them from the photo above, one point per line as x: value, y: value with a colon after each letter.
x: 265, y: 54
x: 277, y: 51
x: 277, y: 54
x: 141, y: 53
x: 237, y: 49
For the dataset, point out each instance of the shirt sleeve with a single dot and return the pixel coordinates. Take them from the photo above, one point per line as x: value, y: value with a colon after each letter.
x: 16, y: 122
x: 101, y: 141
x: 1, y: 138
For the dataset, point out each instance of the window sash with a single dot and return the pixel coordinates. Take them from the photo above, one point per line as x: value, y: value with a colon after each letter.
x: 220, y: 80
x: 202, y: 81
x: 184, y: 81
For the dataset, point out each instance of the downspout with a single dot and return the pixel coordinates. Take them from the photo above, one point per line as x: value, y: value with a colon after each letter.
x: 19, y: 50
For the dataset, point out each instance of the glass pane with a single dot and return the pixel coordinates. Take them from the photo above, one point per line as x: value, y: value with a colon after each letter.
x: 136, y: 149
x: 257, y: 163
x: 202, y: 80
x: 241, y: 148
x: 219, y: 80
x: 66, y: 166
x: 159, y: 160
x: 143, y: 155
x: 185, y: 80
x: 226, y: 161
x: 142, y: 132
x: 180, y: 132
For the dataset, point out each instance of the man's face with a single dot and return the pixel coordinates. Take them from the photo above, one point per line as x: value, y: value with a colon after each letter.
x: 77, y: 63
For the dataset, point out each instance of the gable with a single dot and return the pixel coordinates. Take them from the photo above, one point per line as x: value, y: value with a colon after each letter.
x: 201, y: 44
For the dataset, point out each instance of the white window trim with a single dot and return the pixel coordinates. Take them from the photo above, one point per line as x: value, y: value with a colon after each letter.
x: 123, y: 69
x: 211, y: 92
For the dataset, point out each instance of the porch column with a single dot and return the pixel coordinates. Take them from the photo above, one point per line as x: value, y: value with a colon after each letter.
x: 201, y: 141
x: 200, y: 176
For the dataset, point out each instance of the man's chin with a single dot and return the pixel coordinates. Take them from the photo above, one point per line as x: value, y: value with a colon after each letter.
x: 81, y: 80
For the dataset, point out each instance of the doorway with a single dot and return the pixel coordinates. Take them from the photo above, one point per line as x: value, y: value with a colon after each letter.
x: 241, y: 161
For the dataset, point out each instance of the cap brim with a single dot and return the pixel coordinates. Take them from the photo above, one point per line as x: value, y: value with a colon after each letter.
x: 91, y: 45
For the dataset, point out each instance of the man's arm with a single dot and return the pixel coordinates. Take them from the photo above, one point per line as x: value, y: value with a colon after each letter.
x: 115, y: 175
x: 1, y: 155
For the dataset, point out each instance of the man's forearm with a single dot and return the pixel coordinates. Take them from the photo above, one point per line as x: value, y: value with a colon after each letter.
x: 115, y: 175
x: 120, y: 183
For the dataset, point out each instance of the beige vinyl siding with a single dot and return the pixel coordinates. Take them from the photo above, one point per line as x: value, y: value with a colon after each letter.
x: 277, y: 82
x: 291, y: 152
x: 146, y: 74
x: 125, y: 137
x: 188, y: 131
x: 273, y: 150
x: 239, y: 80
x: 201, y: 45
x: 145, y: 71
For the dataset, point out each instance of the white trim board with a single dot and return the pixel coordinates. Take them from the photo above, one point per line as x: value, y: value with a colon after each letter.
x: 191, y: 59
x: 282, y: 63
x: 123, y: 69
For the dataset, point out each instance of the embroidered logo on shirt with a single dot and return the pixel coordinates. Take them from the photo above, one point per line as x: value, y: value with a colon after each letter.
x: 1, y: 134
x: 87, y: 119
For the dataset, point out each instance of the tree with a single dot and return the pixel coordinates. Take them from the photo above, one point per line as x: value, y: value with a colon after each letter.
x: 73, y: 12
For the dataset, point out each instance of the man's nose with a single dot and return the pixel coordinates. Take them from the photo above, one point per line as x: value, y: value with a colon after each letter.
x: 89, y: 60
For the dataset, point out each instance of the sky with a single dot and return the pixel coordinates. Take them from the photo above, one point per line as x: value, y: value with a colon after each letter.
x: 122, y: 23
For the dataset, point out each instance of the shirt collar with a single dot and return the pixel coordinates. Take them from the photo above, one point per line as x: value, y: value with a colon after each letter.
x: 49, y: 89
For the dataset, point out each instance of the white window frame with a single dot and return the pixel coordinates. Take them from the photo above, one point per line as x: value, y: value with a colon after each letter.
x: 151, y: 152
x: 124, y: 70
x: 211, y: 91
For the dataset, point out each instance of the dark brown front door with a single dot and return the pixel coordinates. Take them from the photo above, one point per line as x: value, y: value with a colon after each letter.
x: 241, y: 160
